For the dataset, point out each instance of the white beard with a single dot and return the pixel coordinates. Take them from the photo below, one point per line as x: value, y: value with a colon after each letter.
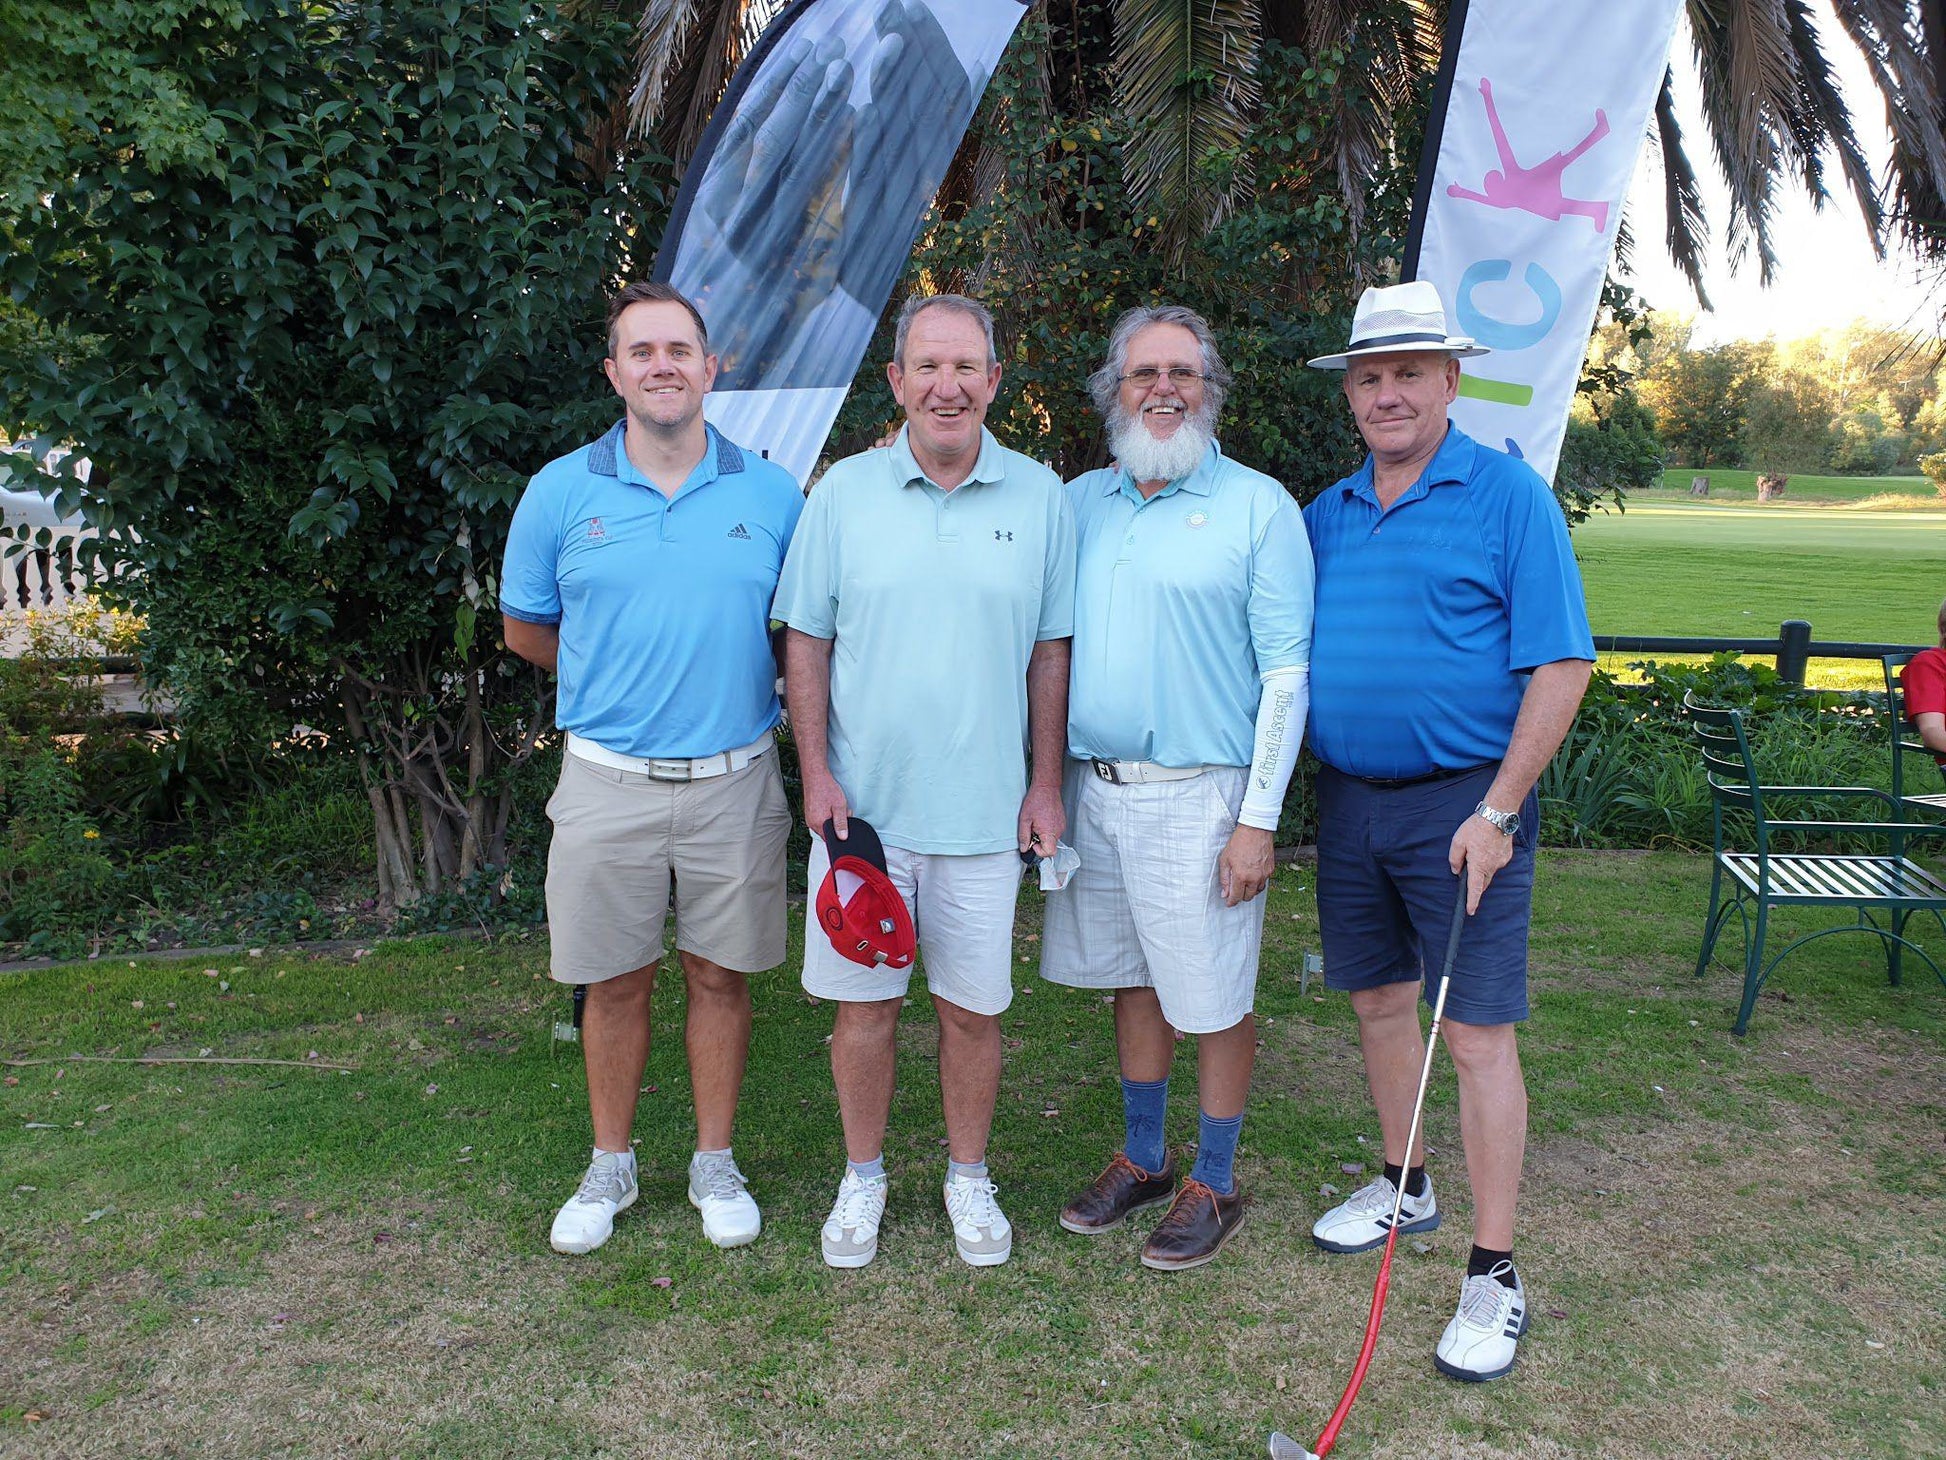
x: 1147, y: 459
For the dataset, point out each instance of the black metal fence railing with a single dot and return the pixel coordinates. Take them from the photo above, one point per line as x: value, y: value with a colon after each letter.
x: 1793, y: 647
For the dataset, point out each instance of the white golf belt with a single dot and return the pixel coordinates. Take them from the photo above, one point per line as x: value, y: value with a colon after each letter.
x: 1142, y: 772
x: 698, y: 768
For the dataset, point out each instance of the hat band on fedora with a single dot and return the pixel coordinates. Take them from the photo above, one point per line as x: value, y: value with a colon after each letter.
x: 1427, y: 337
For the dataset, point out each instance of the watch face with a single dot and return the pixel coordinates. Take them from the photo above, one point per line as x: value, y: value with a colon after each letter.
x: 1507, y: 822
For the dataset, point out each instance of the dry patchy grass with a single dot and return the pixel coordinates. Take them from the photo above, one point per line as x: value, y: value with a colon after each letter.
x: 1745, y: 1262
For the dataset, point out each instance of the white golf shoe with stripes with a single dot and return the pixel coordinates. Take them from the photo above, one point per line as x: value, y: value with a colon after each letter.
x: 1479, y: 1343
x: 1360, y: 1222
x: 588, y: 1218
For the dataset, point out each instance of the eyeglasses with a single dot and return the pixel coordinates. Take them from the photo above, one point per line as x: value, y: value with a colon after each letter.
x: 1147, y: 375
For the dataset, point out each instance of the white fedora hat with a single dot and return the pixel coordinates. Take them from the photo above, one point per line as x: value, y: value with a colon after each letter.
x: 1397, y: 318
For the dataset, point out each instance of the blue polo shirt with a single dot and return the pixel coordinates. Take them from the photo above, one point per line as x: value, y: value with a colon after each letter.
x: 1432, y: 613
x: 663, y: 602
x: 935, y: 601
x: 1181, y: 604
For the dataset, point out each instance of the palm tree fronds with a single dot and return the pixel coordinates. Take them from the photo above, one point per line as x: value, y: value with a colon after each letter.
x: 685, y: 53
x: 1688, y: 233
x: 661, y: 43
x: 1909, y: 71
x: 1187, y: 69
x: 1821, y: 116
x: 1744, y: 71
x: 1399, y: 40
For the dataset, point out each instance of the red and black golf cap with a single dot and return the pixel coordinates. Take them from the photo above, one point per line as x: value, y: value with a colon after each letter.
x: 859, y: 908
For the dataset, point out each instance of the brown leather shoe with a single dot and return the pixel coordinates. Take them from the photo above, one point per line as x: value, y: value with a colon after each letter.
x: 1123, y: 1188
x: 1193, y: 1230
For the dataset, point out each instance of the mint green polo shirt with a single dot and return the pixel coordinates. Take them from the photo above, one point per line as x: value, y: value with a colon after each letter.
x: 934, y: 601
x: 1182, y: 603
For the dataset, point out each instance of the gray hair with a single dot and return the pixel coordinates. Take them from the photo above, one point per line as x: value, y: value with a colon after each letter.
x: 957, y: 304
x: 1105, y: 385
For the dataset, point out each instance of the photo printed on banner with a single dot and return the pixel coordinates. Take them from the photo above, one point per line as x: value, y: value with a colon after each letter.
x: 812, y: 192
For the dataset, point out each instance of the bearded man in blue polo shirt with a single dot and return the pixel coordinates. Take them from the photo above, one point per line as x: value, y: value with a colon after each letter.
x: 1452, y: 651
x: 641, y: 569
x: 930, y: 598
x: 1192, y: 639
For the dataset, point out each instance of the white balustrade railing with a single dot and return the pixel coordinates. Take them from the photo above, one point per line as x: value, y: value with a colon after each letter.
x: 43, y: 577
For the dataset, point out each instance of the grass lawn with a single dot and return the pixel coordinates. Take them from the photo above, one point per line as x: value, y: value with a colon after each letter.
x: 1743, y: 1240
x: 1689, y: 568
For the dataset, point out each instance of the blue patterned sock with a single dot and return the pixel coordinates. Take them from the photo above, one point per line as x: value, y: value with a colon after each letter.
x: 1216, y: 1152
x: 1144, y: 1104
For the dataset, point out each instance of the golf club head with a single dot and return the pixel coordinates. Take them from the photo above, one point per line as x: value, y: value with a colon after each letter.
x: 1283, y: 1447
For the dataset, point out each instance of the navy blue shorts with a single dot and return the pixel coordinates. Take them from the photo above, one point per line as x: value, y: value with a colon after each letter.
x: 1385, y: 894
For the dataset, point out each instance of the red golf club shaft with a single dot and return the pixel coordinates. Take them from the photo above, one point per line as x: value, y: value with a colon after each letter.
x: 1343, y: 1411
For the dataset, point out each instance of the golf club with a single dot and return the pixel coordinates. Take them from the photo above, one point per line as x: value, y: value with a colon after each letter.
x: 1282, y: 1446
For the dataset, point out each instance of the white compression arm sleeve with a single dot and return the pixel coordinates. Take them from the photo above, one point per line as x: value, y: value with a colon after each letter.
x: 1280, y: 729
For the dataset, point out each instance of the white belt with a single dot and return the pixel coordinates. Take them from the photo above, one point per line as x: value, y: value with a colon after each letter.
x: 701, y: 768
x: 1143, y: 772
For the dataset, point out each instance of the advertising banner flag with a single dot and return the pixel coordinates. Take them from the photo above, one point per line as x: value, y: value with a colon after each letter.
x: 1540, y: 115
x: 802, y: 203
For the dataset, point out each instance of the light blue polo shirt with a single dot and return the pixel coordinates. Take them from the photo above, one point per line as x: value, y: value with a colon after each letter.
x: 663, y: 602
x: 1182, y: 603
x: 935, y: 601
x: 1432, y: 613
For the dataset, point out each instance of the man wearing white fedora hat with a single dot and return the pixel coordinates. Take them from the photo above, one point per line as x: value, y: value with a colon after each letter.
x: 1451, y: 651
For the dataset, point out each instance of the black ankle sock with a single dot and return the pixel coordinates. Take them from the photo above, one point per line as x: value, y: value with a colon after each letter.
x: 1415, y: 1180
x: 1485, y: 1259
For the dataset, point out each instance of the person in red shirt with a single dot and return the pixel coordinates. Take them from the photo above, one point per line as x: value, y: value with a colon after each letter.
x: 1925, y: 693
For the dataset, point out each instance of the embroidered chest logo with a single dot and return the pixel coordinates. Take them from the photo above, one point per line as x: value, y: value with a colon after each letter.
x: 1197, y: 519
x: 740, y: 531
x: 999, y: 536
x: 596, y: 532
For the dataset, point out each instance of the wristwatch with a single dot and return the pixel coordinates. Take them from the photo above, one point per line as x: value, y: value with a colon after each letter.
x: 1505, y: 822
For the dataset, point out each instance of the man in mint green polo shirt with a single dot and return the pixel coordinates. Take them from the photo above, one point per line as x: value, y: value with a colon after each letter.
x: 1192, y: 643
x: 929, y: 596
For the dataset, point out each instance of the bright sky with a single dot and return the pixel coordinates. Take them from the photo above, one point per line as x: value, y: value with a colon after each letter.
x: 1827, y: 275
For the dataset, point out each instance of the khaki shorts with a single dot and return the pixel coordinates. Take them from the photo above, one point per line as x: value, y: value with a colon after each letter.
x: 1145, y: 909
x: 621, y: 838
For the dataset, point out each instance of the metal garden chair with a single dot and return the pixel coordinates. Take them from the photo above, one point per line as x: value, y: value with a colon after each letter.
x: 1760, y: 879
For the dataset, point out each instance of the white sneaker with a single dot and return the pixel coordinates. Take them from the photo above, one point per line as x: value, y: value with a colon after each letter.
x: 1479, y: 1343
x: 1360, y: 1222
x: 716, y: 1189
x: 588, y: 1219
x: 850, y: 1235
x: 980, y: 1228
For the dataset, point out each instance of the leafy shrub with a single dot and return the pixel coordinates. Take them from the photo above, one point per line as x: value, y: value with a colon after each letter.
x: 1629, y: 775
x: 1934, y: 466
x: 55, y: 881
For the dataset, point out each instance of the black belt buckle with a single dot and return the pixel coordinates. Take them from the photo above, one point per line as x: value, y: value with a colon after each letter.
x: 1106, y: 770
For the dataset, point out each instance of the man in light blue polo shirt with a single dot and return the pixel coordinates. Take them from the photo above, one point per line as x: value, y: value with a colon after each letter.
x: 1192, y: 639
x: 1452, y: 652
x: 929, y: 597
x: 641, y: 569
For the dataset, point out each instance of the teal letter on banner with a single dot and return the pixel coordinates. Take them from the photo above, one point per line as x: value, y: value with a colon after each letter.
x: 1499, y: 334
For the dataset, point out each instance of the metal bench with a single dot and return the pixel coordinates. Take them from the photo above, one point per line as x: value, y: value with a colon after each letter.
x: 1890, y: 883
x: 1905, y: 742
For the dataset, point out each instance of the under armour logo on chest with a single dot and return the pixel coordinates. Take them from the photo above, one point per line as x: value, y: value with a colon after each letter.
x: 999, y: 536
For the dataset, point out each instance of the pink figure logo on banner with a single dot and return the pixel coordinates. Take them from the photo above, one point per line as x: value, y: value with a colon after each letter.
x: 1536, y: 189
